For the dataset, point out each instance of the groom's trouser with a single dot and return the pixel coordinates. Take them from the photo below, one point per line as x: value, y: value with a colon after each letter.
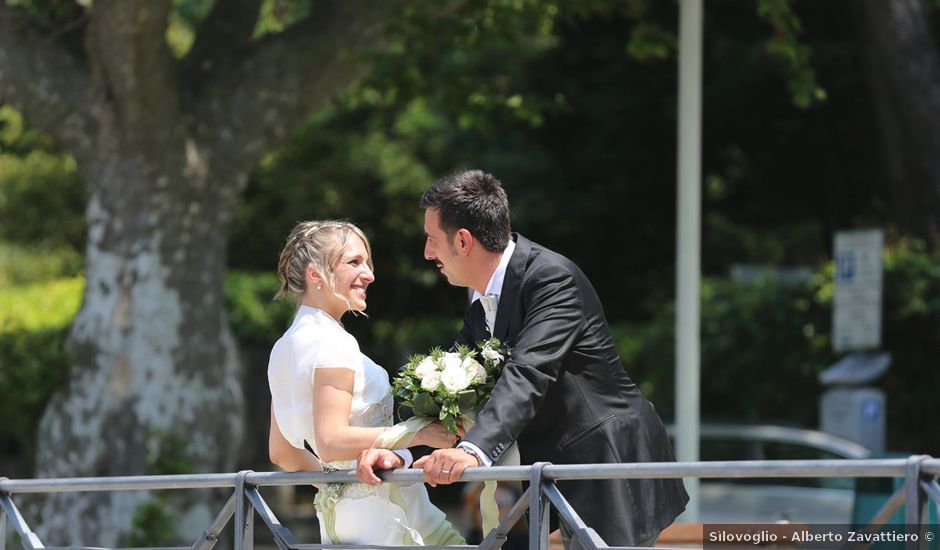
x: 567, y: 533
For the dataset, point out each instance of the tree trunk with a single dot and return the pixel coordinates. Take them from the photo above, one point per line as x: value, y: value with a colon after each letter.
x: 905, y: 72
x: 155, y: 385
x: 164, y: 146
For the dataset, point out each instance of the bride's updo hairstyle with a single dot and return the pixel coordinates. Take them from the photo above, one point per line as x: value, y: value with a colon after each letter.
x: 316, y: 243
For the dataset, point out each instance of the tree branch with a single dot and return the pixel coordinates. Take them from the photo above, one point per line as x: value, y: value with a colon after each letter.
x: 285, y: 77
x: 135, y: 67
x: 227, y: 29
x: 45, y: 81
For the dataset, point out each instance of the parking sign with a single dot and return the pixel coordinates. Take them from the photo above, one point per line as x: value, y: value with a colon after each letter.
x: 856, y: 311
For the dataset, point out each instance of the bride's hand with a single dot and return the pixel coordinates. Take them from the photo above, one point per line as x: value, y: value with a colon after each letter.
x: 436, y: 436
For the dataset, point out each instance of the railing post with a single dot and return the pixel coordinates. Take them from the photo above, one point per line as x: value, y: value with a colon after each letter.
x: 538, y: 509
x: 211, y: 535
x: 244, y: 528
x: 915, y: 504
x: 3, y: 523
x: 28, y: 538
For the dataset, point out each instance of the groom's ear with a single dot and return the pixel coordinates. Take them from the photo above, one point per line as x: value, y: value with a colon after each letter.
x: 463, y: 241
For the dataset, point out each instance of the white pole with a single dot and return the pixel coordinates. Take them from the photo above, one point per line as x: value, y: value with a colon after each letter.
x: 688, y: 245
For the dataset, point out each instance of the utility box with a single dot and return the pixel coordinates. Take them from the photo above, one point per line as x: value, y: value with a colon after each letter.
x: 857, y: 414
x: 850, y: 408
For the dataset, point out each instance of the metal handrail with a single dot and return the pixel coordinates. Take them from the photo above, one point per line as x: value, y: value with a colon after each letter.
x: 883, y: 467
x: 919, y: 471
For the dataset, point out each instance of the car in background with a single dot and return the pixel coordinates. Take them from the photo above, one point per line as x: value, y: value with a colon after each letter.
x: 771, y: 500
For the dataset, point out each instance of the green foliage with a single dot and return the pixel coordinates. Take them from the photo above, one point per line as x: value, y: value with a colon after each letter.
x: 255, y: 317
x: 168, y: 453
x: 389, y: 337
x: 41, y: 199
x: 183, y: 21
x: 274, y: 16
x: 785, y: 46
x: 40, y: 306
x: 152, y: 525
x: 368, y: 177
x: 34, y: 321
x: 51, y: 14
x: 23, y: 265
x: 572, y: 105
x: 191, y: 12
x: 649, y: 42
x: 394, y: 339
x: 34, y: 324
x: 911, y: 332
x: 153, y: 520
x: 764, y: 343
x: 41, y: 194
x: 765, y: 336
x: 16, y: 138
x: 277, y: 15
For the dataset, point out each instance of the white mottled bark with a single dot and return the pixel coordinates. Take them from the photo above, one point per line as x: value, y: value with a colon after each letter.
x: 164, y: 147
x: 155, y: 362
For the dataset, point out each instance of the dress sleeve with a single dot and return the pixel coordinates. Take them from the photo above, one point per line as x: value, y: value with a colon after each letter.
x: 342, y: 352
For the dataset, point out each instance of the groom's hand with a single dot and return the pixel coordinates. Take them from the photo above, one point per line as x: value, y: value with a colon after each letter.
x: 376, y: 459
x: 445, y: 466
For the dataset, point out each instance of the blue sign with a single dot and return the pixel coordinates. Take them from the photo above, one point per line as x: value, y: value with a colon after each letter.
x: 845, y: 265
x: 871, y: 409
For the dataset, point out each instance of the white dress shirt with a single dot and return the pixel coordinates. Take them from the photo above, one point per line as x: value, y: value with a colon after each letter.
x: 490, y: 302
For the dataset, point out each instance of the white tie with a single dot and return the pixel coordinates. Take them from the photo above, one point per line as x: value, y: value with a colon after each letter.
x: 490, y: 302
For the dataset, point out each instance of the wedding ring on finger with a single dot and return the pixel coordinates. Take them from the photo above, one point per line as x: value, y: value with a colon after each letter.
x: 446, y: 472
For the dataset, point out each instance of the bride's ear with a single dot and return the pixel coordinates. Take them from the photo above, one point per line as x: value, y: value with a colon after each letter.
x: 312, y: 277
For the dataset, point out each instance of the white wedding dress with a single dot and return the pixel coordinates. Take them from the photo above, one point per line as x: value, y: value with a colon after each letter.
x: 386, y: 515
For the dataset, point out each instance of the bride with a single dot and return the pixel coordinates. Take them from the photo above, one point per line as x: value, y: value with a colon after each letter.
x: 326, y: 396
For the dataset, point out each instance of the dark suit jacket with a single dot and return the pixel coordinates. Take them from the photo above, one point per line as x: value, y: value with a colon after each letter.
x: 565, y: 398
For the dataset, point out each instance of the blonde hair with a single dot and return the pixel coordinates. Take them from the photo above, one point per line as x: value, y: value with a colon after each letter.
x: 319, y: 244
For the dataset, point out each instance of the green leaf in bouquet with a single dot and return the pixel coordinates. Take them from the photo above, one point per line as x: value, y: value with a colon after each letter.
x: 466, y: 399
x: 424, y: 405
x: 449, y: 422
x: 405, y: 411
x: 464, y: 351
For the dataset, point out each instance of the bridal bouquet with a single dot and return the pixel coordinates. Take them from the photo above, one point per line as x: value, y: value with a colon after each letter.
x: 447, y: 384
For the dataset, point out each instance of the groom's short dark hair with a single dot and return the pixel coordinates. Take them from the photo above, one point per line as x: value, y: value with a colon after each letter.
x: 475, y: 201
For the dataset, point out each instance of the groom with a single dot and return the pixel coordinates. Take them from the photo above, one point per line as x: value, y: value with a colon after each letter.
x: 563, y: 395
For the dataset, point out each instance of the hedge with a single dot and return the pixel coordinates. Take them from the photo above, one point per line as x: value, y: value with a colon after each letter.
x: 34, y: 321
x: 765, y: 342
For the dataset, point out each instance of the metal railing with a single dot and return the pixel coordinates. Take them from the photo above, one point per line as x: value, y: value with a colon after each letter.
x: 919, y: 471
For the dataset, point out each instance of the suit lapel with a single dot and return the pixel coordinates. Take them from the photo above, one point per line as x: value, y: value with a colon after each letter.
x: 511, y: 283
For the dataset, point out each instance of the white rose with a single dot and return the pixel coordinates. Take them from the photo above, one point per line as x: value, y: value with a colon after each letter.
x: 425, y: 367
x: 451, y: 360
x: 431, y: 380
x: 455, y: 377
x: 492, y: 355
x: 475, y: 371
